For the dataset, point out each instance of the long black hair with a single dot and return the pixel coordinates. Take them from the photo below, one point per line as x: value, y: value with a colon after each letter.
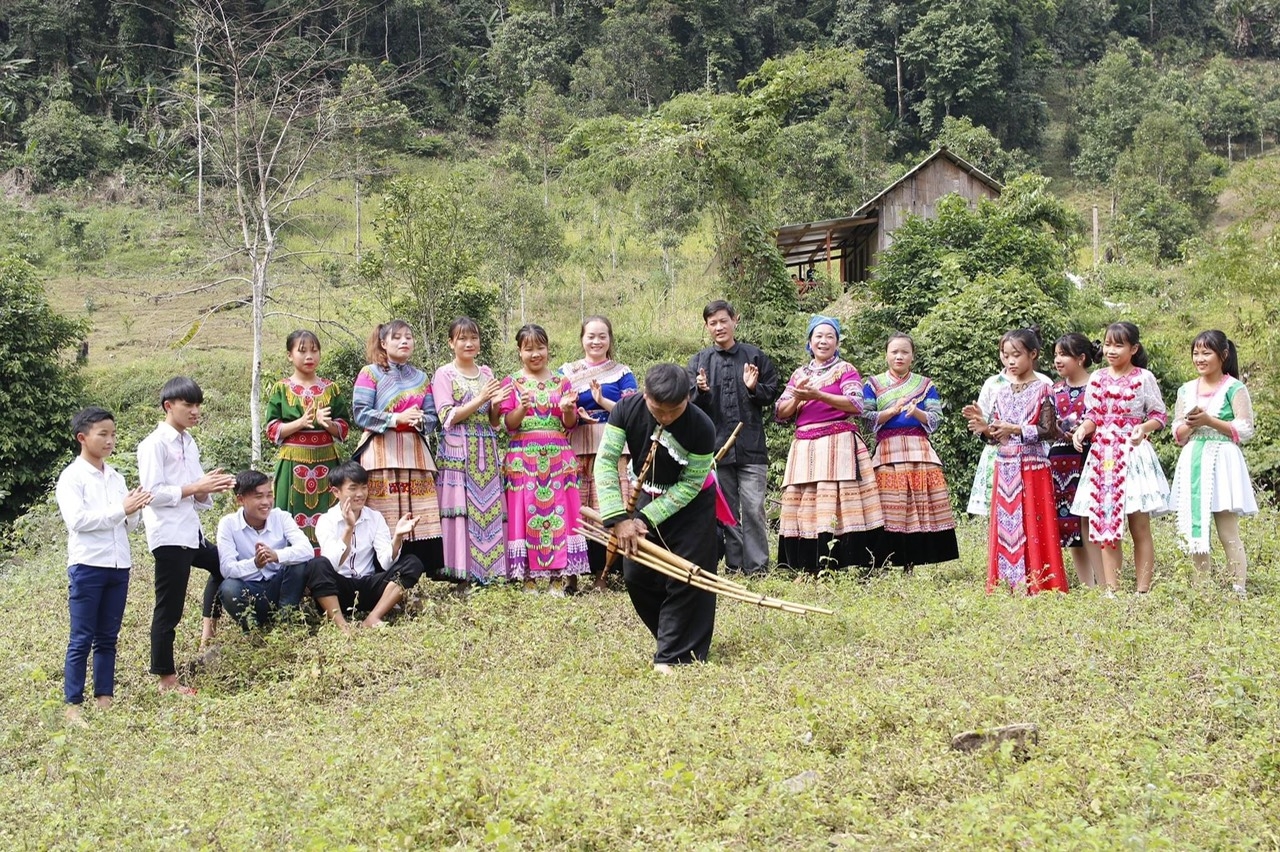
x: 1223, y: 347
x: 1126, y: 334
x: 1076, y: 345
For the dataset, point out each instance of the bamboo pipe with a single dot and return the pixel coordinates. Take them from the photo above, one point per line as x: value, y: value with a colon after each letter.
x: 728, y: 445
x: 703, y: 583
x: 681, y: 569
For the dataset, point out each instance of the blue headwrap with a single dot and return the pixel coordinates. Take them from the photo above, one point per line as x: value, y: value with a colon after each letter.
x: 817, y: 320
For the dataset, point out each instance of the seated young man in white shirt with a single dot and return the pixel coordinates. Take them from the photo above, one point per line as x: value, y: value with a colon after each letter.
x: 362, y: 568
x: 263, y: 557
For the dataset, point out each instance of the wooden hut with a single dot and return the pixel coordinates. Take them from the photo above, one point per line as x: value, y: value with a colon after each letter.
x: 846, y: 248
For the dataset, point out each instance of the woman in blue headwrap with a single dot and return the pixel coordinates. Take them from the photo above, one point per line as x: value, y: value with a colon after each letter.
x: 831, y: 516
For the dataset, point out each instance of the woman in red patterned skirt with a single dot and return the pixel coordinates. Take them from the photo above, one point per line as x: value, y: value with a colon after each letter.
x: 1024, y: 553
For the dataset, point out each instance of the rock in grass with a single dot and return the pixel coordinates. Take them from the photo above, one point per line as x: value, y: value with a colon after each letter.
x: 800, y: 783
x: 1024, y: 734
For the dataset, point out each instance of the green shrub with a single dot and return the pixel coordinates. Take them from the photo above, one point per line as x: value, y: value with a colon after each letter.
x: 64, y: 144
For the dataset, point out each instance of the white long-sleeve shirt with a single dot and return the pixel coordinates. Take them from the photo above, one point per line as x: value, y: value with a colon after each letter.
x: 237, y: 542
x: 92, y: 505
x: 168, y: 460
x: 372, y: 537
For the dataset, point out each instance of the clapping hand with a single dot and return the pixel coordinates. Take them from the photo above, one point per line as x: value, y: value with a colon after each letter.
x: 322, y: 417
x: 804, y: 391
x: 976, y: 419
x: 264, y: 555
x: 410, y: 417
x: 405, y: 525
x: 703, y: 385
x: 597, y: 393
x: 135, y: 500
x: 1137, y: 436
x: 750, y: 375
x: 492, y: 390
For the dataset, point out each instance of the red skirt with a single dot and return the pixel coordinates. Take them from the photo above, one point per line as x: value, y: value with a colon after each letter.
x: 1024, y: 553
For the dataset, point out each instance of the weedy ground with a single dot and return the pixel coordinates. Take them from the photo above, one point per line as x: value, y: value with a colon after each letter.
x: 512, y: 721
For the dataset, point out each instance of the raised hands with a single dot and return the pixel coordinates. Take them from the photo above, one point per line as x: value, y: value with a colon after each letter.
x: 492, y: 391
x: 264, y: 554
x: 597, y: 393
x: 703, y: 385
x: 135, y: 500
x: 214, y: 482
x: 750, y: 375
x: 976, y: 420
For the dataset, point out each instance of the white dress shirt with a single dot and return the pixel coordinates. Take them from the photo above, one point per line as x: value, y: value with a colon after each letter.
x: 168, y: 460
x: 92, y: 505
x: 237, y: 542
x: 372, y: 536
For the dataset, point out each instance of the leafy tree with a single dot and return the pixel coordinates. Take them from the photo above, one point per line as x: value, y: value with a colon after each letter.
x: 956, y: 344
x: 976, y: 144
x: 1114, y: 102
x: 39, y: 385
x: 530, y: 47
x: 426, y: 268
x: 1224, y: 109
x: 63, y: 144
x: 278, y: 108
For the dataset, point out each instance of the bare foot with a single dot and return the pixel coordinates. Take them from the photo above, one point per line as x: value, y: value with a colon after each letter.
x: 72, y: 715
x: 373, y: 622
x: 103, y: 702
x: 169, y: 684
x: 663, y: 669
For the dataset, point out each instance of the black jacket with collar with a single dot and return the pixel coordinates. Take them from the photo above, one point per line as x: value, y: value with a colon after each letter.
x: 728, y: 401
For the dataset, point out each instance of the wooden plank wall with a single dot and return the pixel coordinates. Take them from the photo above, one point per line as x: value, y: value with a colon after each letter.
x: 920, y: 193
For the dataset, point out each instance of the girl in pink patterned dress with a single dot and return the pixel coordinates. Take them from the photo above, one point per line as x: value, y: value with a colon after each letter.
x: 1122, y: 477
x: 543, y: 506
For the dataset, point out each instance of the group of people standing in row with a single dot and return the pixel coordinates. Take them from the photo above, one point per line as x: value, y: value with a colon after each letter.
x: 1067, y: 464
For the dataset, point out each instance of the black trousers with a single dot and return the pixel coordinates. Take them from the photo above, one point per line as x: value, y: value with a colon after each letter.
x: 173, y: 570
x: 680, y: 617
x: 361, y: 594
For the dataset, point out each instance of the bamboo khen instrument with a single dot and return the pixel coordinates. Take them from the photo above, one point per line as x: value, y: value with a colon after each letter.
x: 611, y: 549
x: 669, y: 564
x: 728, y: 445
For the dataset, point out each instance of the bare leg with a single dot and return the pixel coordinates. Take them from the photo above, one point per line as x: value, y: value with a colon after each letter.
x: 1112, y: 557
x: 1144, y: 551
x: 329, y: 605
x: 1093, y: 553
x: 1084, y: 571
x: 391, y: 596
x: 208, y: 627
x: 1228, y: 524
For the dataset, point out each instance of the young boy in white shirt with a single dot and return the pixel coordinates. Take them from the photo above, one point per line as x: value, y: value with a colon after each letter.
x: 264, y: 558
x: 99, y: 511
x: 169, y: 468
x: 363, y: 568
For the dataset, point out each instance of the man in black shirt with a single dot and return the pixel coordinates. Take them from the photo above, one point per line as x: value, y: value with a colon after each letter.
x: 733, y: 383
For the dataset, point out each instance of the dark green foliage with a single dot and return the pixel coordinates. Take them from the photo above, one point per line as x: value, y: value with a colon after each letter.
x: 957, y: 346
x: 64, y: 144
x: 39, y: 386
x: 1026, y: 229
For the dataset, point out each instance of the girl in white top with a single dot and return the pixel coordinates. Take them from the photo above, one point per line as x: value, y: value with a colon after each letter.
x: 1212, y: 418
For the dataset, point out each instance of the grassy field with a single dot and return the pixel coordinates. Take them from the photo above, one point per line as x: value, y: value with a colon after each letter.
x: 509, y: 721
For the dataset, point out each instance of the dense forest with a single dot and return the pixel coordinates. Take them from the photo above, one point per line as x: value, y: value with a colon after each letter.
x: 471, y: 151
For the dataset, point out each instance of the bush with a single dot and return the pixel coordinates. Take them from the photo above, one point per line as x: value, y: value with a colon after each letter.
x: 39, y: 386
x: 64, y: 144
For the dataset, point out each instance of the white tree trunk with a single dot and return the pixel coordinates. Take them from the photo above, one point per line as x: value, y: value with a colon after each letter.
x: 259, y: 288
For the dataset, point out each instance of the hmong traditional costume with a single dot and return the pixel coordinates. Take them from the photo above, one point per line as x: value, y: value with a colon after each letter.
x: 831, y: 515
x: 401, y: 470
x: 1118, y: 478
x: 677, y: 501
x: 305, y: 457
x: 472, y: 508
x: 983, y: 476
x: 542, y: 498
x: 919, y: 527
x: 1023, y: 549
x: 1211, y: 475
x: 616, y: 382
x: 1065, y: 461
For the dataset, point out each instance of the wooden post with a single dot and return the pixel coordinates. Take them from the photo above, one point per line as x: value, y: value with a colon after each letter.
x: 828, y: 252
x: 1095, y: 236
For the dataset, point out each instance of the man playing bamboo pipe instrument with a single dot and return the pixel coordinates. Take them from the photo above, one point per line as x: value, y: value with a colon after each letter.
x: 675, y: 509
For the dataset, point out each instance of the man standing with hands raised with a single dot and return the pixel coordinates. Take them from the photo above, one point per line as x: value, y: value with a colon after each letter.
x: 735, y: 382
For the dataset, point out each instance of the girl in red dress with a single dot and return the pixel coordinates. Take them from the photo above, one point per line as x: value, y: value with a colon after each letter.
x: 1024, y: 554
